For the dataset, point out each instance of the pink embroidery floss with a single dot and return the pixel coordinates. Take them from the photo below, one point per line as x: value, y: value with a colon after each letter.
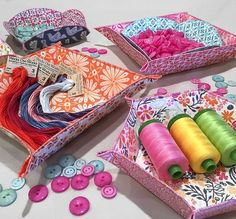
x: 168, y: 160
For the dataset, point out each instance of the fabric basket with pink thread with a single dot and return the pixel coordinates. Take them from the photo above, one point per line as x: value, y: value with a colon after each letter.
x: 45, y: 27
x: 195, y: 195
x: 219, y: 45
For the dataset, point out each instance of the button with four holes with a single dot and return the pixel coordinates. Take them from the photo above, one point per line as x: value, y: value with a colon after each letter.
x: 103, y: 178
x: 17, y: 183
x: 218, y: 78
x: 79, y: 205
x: 79, y: 163
x: 87, y: 170
x: 69, y: 171
x: 109, y: 191
x: 52, y: 171
x: 67, y: 160
x: 60, y: 184
x: 38, y: 193
x: 98, y: 165
x: 7, y: 197
x: 79, y: 182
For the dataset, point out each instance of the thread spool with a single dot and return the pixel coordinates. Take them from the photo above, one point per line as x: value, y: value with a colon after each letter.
x: 168, y: 160
x: 222, y: 136
x: 201, y: 153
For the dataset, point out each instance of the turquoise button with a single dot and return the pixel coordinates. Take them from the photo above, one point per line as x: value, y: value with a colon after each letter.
x: 221, y: 84
x: 79, y: 164
x: 95, y: 55
x: 232, y: 83
x: 0, y: 187
x: 17, y: 183
x: 52, y: 171
x: 67, y: 160
x: 98, y: 165
x: 231, y: 97
x: 218, y: 78
x: 7, y: 197
x: 69, y: 171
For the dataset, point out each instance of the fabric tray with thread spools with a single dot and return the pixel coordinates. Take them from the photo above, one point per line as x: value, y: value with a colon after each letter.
x: 99, y: 78
x: 38, y: 28
x: 194, y: 195
x: 224, y: 49
x: 5, y: 51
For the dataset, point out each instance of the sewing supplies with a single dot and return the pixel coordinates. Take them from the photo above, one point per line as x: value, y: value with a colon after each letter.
x: 200, y: 152
x: 222, y: 136
x: 167, y: 158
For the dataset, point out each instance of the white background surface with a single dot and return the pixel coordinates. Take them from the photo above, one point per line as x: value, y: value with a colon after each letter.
x: 133, y: 200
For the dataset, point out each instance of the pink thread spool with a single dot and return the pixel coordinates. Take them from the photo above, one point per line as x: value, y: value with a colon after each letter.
x: 168, y: 160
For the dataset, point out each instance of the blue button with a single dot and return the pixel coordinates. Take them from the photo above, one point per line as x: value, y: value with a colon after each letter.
x: 17, y: 183
x: 99, y: 165
x: 66, y: 160
x: 0, y: 187
x: 52, y: 171
x: 218, y: 78
x: 95, y: 55
x: 232, y: 83
x: 231, y: 97
x: 69, y: 171
x: 79, y: 164
x: 221, y: 84
x: 7, y: 197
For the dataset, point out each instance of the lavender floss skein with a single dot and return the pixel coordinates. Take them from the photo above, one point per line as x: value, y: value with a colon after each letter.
x: 168, y: 160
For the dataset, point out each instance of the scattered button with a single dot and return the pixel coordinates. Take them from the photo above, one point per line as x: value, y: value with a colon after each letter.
x: 99, y: 165
x: 109, y: 191
x: 66, y: 160
x: 7, y: 197
x: 222, y: 90
x: 69, y: 171
x: 0, y: 187
x: 230, y: 107
x: 195, y: 80
x: 38, y: 193
x: 94, y: 55
x: 79, y: 205
x: 92, y: 50
x: 52, y: 171
x: 204, y: 86
x: 17, y: 183
x: 221, y: 84
x: 232, y: 83
x: 102, y: 51
x: 84, y: 49
x: 87, y: 170
x: 161, y: 91
x: 103, y: 178
x: 231, y: 97
x: 218, y: 78
x: 79, y: 164
x: 79, y: 182
x: 60, y: 184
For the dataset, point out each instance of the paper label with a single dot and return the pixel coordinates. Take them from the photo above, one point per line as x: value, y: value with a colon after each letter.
x: 78, y: 88
x: 64, y: 69
x: 43, y: 75
x: 14, y: 62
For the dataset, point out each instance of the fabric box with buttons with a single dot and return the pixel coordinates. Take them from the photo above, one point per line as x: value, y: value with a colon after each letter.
x: 171, y: 43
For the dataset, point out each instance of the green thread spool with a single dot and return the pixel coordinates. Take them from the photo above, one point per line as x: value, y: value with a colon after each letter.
x: 222, y: 136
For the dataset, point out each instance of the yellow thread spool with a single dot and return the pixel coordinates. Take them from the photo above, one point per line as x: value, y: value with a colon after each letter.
x: 201, y: 153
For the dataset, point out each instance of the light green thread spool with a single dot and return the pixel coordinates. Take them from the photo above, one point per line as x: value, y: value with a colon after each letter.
x: 222, y: 136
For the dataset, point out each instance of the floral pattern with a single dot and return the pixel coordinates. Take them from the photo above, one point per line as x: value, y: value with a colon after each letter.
x: 201, y: 192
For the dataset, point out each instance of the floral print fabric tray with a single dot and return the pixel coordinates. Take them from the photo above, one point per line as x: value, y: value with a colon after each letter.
x: 102, y: 82
x: 196, y: 195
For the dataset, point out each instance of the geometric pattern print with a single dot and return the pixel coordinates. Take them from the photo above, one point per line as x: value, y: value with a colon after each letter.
x: 200, y: 191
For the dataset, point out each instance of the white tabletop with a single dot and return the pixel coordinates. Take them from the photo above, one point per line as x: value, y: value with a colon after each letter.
x: 133, y: 200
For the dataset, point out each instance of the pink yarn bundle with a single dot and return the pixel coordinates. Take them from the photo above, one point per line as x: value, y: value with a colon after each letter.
x: 162, y: 149
x: 164, y: 43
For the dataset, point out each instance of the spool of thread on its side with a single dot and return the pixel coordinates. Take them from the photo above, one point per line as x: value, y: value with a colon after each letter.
x: 222, y: 136
x: 201, y: 153
x: 168, y: 160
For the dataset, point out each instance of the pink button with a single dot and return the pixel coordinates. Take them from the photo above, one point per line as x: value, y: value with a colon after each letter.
x: 38, y: 193
x: 195, y: 80
x: 87, y: 170
x: 84, y: 49
x: 103, y: 178
x: 92, y: 50
x: 79, y: 205
x: 79, y: 182
x: 222, y: 90
x: 60, y: 184
x: 102, y: 51
x: 109, y: 191
x: 204, y: 86
x: 161, y: 91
